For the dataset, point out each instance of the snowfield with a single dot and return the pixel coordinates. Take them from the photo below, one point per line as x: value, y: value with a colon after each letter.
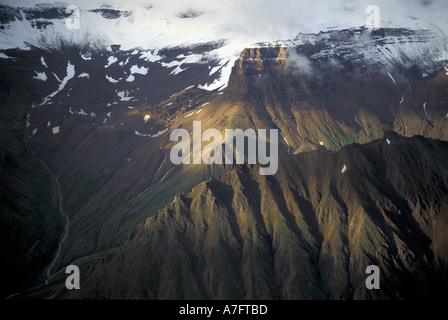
x: 145, y: 30
x: 40, y: 76
x: 63, y: 82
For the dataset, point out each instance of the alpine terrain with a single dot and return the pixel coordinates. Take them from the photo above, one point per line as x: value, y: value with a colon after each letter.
x: 87, y: 178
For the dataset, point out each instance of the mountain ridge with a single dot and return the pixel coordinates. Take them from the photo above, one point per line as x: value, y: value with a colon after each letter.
x: 109, y: 148
x: 307, y: 235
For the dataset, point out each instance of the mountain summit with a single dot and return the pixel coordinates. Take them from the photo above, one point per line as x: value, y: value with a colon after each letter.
x: 87, y: 178
x: 309, y: 232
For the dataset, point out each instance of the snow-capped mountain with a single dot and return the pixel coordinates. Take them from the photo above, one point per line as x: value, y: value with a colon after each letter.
x: 145, y: 30
x: 86, y: 120
x: 105, y: 29
x: 365, y: 48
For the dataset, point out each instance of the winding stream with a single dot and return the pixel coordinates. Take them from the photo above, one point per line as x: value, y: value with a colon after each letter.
x: 61, y: 211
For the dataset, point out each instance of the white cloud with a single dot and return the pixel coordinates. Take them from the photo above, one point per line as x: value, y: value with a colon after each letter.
x: 299, y: 64
x: 245, y: 22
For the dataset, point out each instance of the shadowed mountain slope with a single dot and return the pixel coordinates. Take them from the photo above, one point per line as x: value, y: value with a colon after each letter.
x: 308, y: 232
x: 85, y: 152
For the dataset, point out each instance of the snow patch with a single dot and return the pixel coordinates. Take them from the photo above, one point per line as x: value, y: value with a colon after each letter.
x: 4, y: 56
x: 70, y: 74
x: 55, y: 130
x: 43, y: 62
x: 40, y: 76
x: 149, y: 56
x: 388, y: 141
x: 146, y: 117
x: 112, y: 80
x: 123, y: 95
x: 84, y: 75
x: 344, y: 168
x: 151, y: 135
x: 141, y: 70
x: 124, y: 63
x: 225, y: 69
x: 56, y: 76
x: 193, y: 58
x: 178, y: 70
x: 392, y: 78
x: 215, y: 69
x: 110, y: 61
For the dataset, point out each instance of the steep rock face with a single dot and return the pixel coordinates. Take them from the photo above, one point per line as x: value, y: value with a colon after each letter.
x: 84, y: 151
x: 106, y: 134
x: 340, y: 87
x: 309, y: 232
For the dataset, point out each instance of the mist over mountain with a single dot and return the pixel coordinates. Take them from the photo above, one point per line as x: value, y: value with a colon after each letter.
x: 86, y: 175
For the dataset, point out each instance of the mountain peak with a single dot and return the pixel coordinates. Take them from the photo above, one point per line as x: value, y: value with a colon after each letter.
x: 88, y: 117
x: 306, y: 235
